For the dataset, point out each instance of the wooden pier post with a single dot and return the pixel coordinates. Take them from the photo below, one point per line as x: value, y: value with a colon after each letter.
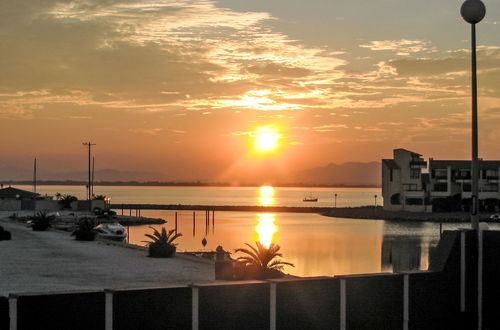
x: 194, y: 223
x: 176, y: 222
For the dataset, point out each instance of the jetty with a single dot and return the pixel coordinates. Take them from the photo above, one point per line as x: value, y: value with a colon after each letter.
x: 241, y: 208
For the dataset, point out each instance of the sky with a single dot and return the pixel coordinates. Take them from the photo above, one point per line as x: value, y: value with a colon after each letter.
x: 183, y: 89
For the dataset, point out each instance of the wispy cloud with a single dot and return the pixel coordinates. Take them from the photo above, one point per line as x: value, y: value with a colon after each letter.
x: 403, y: 47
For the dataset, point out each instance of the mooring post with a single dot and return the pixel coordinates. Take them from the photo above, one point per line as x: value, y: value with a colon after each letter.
x: 176, y: 222
x: 194, y: 223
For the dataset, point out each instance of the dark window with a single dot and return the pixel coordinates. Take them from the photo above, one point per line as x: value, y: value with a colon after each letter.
x: 396, y: 199
x: 440, y: 187
x: 414, y: 201
x: 390, y: 175
x: 414, y: 173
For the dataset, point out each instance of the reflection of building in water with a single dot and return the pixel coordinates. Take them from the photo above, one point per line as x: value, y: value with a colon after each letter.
x: 403, y: 253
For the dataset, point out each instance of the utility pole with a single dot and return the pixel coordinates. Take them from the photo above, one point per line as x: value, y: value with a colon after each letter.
x: 89, y: 194
x: 34, y: 177
x: 93, y: 165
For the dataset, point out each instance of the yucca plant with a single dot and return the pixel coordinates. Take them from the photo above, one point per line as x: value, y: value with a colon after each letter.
x: 42, y: 220
x: 162, y: 243
x: 261, y: 262
x: 85, y: 230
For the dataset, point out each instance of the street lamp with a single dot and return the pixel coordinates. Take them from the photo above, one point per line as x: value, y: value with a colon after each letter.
x: 335, y: 200
x: 473, y: 12
x: 375, y: 196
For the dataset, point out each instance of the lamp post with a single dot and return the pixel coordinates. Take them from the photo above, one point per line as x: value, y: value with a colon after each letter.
x: 473, y: 12
x: 375, y: 196
x: 335, y: 200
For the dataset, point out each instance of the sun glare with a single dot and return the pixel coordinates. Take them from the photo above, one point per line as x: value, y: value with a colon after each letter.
x: 266, y: 228
x: 266, y: 139
x: 266, y: 195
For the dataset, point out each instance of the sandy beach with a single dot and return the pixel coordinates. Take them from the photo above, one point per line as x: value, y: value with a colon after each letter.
x: 54, y: 261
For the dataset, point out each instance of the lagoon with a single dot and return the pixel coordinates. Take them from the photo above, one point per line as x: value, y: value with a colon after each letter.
x: 317, y: 245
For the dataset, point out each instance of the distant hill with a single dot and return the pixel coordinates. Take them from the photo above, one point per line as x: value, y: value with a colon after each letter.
x: 348, y: 174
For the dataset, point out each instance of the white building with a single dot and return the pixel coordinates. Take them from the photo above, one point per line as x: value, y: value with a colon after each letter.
x: 446, y: 186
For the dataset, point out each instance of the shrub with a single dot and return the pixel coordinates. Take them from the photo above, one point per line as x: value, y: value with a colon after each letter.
x: 4, y: 234
x: 41, y: 221
x: 85, y: 230
x: 66, y: 201
x: 162, y: 243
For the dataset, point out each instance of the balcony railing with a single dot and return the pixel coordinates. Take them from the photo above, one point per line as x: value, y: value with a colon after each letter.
x: 418, y: 163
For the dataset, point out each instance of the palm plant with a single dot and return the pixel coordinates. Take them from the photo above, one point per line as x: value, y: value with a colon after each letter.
x: 66, y: 200
x: 42, y: 220
x: 85, y: 230
x: 162, y: 243
x: 262, y: 261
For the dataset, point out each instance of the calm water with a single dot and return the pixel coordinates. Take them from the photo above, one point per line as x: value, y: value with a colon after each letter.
x: 317, y: 245
x: 266, y: 196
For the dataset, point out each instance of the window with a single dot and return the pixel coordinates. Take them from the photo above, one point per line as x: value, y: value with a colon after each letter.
x: 414, y: 201
x: 440, y: 187
x: 410, y: 187
x: 441, y: 174
x: 396, y: 199
x: 414, y: 173
x: 390, y: 175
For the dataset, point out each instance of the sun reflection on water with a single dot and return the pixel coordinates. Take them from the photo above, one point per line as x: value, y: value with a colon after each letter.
x: 266, y: 228
x: 266, y: 196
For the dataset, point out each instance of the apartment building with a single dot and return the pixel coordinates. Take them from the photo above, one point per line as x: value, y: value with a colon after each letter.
x: 444, y: 185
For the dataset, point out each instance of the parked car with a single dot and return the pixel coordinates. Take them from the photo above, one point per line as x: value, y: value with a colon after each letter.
x: 495, y: 217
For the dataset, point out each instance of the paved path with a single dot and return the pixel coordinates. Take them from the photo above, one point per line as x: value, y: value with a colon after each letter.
x: 54, y: 261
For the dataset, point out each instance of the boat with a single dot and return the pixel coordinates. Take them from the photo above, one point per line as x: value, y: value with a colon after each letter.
x: 310, y: 198
x: 112, y: 231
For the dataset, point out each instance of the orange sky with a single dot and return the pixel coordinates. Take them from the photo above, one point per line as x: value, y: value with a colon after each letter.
x: 178, y: 88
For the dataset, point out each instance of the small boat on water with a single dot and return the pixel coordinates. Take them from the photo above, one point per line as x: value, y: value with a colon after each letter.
x: 112, y: 231
x: 310, y: 198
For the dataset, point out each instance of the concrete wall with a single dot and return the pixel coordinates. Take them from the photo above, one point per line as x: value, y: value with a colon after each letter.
x: 491, y: 282
x: 165, y: 308
x: 10, y: 205
x: 309, y: 303
x: 373, y: 301
x: 4, y: 313
x: 234, y: 305
x: 76, y: 311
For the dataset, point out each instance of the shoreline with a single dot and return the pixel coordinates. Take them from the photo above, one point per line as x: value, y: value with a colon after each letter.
x: 358, y: 212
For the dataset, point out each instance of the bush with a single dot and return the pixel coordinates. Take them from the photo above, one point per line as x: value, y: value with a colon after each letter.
x: 85, y: 230
x: 42, y: 221
x: 162, y: 244
x: 4, y: 234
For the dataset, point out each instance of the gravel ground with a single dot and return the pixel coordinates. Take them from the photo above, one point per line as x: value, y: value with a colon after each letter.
x: 54, y: 261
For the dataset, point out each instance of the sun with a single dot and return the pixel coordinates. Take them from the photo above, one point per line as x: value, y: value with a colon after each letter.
x: 266, y: 139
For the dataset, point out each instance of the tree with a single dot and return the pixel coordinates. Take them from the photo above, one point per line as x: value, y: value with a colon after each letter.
x: 262, y: 261
x: 162, y: 244
x: 66, y: 201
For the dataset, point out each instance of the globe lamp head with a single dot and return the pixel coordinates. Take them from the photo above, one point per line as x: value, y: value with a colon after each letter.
x: 473, y: 11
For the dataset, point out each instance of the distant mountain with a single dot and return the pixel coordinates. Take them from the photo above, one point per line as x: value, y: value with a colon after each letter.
x: 348, y: 174
x: 18, y: 174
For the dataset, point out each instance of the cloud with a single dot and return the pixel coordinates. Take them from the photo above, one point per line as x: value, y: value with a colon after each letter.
x: 403, y: 47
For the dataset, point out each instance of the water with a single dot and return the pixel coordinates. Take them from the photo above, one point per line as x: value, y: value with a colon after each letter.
x: 246, y: 196
x: 317, y: 245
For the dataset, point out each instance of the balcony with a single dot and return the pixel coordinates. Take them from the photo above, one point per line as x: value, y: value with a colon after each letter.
x: 418, y: 163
